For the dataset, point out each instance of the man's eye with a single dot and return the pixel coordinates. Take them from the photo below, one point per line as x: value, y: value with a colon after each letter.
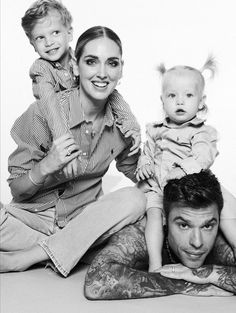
x: 189, y: 95
x: 171, y: 95
x: 208, y: 227
x: 183, y: 226
x: 90, y: 61
x: 114, y: 63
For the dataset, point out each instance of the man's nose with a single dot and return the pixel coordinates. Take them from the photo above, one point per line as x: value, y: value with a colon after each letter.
x: 196, y: 239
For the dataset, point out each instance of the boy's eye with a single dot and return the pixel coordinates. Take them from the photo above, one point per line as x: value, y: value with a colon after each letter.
x: 90, y: 61
x: 171, y: 95
x: 56, y: 32
x: 39, y: 38
x: 189, y: 95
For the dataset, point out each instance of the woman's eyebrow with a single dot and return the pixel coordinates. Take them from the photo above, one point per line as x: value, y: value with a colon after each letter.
x: 91, y: 56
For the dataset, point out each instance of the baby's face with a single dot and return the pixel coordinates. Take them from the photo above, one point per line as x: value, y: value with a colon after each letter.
x: 51, y: 38
x: 181, y: 95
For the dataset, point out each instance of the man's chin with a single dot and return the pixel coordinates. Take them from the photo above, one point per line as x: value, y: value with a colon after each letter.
x: 193, y: 264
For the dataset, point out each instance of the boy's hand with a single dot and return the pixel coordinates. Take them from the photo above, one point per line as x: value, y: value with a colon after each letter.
x: 144, y: 172
x: 71, y: 170
x: 136, y: 139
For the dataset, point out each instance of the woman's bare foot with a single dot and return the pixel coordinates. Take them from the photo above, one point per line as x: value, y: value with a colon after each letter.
x: 20, y: 260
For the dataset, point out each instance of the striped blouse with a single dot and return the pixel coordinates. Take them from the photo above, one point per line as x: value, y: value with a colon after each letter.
x: 34, y: 139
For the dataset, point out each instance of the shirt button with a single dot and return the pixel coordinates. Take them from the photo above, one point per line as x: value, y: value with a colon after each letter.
x: 66, y: 74
x: 36, y: 210
x: 84, y: 153
x: 86, y: 132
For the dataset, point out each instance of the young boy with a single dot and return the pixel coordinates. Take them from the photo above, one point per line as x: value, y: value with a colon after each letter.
x: 47, y: 23
x: 181, y: 144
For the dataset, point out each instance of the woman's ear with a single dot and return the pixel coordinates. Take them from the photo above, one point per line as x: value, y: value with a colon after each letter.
x: 121, y: 69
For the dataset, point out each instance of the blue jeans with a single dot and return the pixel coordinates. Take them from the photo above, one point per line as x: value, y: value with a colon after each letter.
x: 22, y: 229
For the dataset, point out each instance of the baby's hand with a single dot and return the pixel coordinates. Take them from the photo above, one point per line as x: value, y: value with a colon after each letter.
x: 144, y: 172
x: 136, y: 139
x: 71, y: 170
x: 176, y: 173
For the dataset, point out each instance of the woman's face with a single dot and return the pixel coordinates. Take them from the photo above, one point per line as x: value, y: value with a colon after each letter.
x: 100, y: 68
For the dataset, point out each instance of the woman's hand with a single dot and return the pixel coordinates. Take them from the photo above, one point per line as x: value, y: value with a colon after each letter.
x: 136, y: 140
x: 63, y: 150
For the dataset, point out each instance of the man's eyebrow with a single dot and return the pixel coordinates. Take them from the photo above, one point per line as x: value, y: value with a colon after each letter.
x: 180, y: 218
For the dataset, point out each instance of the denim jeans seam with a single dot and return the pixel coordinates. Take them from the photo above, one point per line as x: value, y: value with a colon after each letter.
x: 52, y: 257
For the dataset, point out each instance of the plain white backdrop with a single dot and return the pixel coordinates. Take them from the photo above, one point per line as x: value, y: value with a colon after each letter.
x: 152, y: 31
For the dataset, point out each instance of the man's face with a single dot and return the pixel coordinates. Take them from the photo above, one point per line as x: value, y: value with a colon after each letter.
x: 192, y: 233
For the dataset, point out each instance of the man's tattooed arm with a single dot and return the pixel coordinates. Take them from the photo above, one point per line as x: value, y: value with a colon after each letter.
x: 113, y: 273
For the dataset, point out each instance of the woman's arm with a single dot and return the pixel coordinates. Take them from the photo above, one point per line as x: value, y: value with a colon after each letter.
x: 113, y: 273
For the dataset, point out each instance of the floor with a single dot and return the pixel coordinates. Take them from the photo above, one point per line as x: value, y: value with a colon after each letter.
x: 40, y: 290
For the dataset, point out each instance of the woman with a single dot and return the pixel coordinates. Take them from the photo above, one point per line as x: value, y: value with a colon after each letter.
x: 53, y: 216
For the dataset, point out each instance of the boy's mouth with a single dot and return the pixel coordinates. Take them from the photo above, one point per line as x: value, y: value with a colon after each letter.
x: 52, y: 51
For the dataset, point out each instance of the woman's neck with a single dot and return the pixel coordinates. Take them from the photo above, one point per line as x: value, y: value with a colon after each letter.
x: 91, y: 108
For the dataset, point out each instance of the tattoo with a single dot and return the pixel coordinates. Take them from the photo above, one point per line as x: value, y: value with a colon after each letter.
x: 222, y: 253
x: 227, y: 278
x: 203, y: 272
x: 114, y: 274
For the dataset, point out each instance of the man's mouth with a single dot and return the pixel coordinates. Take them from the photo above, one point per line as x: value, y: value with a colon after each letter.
x: 100, y: 85
x: 194, y: 255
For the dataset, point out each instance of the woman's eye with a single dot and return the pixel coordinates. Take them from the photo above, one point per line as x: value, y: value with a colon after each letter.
x: 114, y: 63
x: 90, y: 61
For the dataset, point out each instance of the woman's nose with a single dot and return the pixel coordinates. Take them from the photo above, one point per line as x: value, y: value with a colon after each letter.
x: 196, y: 239
x: 102, y: 73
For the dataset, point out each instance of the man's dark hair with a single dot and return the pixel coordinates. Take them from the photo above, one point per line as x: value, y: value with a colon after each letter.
x: 198, y: 190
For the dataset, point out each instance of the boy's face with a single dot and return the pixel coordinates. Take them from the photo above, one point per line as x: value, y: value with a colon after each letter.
x: 182, y: 95
x: 51, y: 38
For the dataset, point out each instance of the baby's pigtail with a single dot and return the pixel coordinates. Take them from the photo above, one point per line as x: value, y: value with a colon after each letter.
x: 210, y: 65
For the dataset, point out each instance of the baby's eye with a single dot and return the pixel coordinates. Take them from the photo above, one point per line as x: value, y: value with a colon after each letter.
x: 90, y: 61
x: 171, y: 95
x: 189, y: 95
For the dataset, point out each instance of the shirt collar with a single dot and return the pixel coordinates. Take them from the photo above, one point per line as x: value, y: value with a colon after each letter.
x: 77, y: 114
x: 196, y: 121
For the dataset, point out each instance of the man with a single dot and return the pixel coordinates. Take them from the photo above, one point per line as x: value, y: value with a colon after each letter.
x: 193, y: 243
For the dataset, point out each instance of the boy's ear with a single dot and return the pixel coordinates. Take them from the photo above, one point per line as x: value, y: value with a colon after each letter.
x: 202, y: 102
x: 70, y: 33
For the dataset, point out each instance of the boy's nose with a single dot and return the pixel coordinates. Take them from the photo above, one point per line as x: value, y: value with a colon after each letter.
x: 48, y: 41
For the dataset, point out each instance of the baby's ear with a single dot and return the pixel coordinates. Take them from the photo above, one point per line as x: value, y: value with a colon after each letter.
x: 202, y: 103
x: 161, y: 100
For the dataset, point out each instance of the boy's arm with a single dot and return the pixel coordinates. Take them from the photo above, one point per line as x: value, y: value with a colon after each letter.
x: 154, y: 237
x: 44, y: 88
x: 112, y: 274
x: 204, y: 151
x: 125, y: 117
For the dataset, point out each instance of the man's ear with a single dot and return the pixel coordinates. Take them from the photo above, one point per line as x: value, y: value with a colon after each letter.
x: 202, y: 102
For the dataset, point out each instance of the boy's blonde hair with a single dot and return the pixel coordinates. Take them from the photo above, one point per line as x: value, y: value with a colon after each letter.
x: 39, y: 9
x: 209, y: 65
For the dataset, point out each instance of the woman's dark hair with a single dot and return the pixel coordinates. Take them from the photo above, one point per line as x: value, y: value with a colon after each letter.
x: 198, y: 190
x: 95, y: 33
